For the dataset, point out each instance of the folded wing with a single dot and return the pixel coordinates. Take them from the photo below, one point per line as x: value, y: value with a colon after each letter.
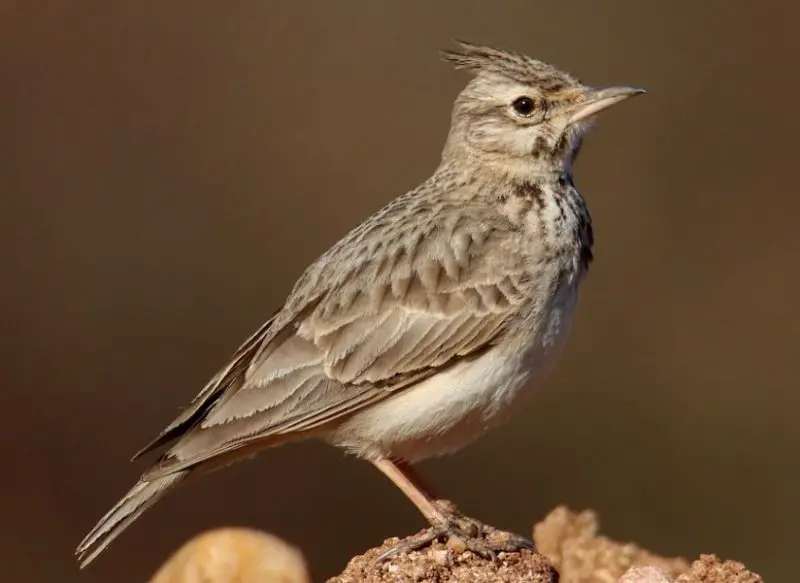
x: 404, y: 314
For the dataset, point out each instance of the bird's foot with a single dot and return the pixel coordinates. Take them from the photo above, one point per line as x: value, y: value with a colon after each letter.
x: 461, y: 533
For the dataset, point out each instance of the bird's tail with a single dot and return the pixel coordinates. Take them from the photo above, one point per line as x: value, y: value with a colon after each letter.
x: 141, y: 497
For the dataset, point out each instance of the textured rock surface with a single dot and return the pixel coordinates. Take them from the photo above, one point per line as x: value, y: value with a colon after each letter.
x: 647, y: 574
x: 581, y: 555
x: 710, y: 569
x: 571, y: 550
x: 439, y: 564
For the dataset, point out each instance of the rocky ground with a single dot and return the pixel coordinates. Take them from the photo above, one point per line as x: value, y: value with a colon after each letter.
x: 570, y: 550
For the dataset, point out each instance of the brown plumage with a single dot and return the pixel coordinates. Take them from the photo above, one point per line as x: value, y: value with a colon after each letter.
x: 420, y: 329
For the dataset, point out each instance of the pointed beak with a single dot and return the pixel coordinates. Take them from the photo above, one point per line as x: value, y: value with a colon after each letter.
x: 598, y: 100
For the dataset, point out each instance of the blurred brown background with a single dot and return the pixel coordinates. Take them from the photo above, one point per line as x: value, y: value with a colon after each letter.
x: 168, y: 170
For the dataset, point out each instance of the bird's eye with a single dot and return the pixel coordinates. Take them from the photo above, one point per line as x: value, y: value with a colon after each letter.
x: 523, y: 106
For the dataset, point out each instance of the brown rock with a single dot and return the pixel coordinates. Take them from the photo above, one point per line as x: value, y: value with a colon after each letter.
x: 234, y: 555
x: 568, y: 541
x: 572, y: 543
x: 710, y: 569
x: 440, y: 564
x: 648, y: 574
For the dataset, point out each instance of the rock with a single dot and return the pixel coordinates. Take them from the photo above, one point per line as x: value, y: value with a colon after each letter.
x: 647, y: 574
x: 571, y: 541
x: 571, y: 550
x: 440, y: 564
x: 710, y: 569
x: 234, y: 555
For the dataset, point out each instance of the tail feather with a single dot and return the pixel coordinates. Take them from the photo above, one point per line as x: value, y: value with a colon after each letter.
x: 141, y: 497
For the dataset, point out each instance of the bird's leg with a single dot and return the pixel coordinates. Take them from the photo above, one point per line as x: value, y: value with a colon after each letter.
x: 445, y: 520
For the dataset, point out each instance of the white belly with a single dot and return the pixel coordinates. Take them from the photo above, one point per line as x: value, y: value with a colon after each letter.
x: 448, y: 410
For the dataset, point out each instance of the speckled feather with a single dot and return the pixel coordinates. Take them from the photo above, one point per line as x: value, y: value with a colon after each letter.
x: 418, y: 330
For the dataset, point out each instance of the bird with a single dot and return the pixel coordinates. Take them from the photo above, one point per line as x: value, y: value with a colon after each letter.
x: 426, y: 325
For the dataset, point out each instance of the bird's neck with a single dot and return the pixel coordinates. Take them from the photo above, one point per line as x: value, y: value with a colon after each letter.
x: 541, y: 166
x: 501, y: 173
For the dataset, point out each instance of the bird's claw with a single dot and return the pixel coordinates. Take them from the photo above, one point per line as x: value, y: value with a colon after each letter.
x: 462, y: 533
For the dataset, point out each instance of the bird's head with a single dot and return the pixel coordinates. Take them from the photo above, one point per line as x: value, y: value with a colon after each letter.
x: 522, y: 114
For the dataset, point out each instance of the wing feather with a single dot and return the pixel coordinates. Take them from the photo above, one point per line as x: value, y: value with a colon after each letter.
x: 443, y: 300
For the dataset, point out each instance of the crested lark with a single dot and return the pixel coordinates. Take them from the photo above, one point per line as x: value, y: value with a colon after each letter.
x: 426, y: 324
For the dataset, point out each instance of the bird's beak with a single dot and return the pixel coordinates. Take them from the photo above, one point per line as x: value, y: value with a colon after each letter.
x: 596, y: 100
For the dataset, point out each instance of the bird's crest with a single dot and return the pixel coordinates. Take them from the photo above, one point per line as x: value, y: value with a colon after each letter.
x: 478, y: 59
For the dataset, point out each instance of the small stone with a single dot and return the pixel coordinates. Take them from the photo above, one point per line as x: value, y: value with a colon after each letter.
x: 456, y: 544
x: 417, y: 573
x: 712, y: 569
x: 441, y: 557
x: 647, y: 574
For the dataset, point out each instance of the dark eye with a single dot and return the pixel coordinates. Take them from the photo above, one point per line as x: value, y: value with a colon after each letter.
x: 523, y: 105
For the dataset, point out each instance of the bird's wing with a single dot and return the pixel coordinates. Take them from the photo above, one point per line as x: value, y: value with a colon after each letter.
x: 408, y: 310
